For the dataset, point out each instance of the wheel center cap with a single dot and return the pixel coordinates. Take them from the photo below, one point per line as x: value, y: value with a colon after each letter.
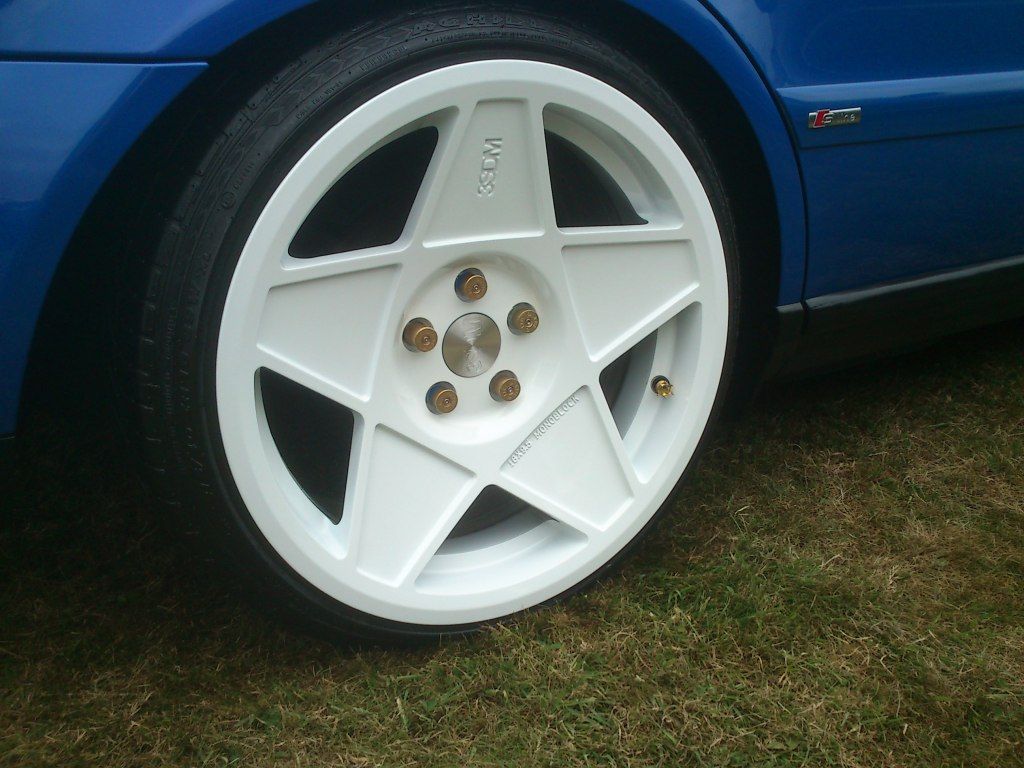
x: 471, y: 345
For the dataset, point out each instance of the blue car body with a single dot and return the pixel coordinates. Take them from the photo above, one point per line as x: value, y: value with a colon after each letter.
x: 929, y: 183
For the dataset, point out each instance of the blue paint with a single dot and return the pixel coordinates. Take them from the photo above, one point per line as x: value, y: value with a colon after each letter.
x: 712, y: 41
x: 817, y: 42
x: 140, y: 29
x: 63, y: 162
x: 198, y: 29
x: 905, y: 109
x: 931, y: 179
x: 63, y: 128
x: 899, y: 209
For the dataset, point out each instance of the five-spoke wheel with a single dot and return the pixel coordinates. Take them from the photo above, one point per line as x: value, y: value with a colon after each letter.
x: 472, y: 337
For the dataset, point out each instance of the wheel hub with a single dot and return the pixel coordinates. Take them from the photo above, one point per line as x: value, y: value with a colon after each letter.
x: 471, y: 345
x: 490, y: 355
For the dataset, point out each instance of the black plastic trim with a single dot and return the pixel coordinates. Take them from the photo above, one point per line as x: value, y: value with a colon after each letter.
x: 848, y: 327
x: 789, y: 329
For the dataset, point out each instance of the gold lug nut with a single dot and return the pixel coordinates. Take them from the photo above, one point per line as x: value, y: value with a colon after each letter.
x: 471, y: 285
x: 419, y: 335
x: 523, y: 319
x: 662, y: 387
x: 441, y: 398
x: 505, y: 387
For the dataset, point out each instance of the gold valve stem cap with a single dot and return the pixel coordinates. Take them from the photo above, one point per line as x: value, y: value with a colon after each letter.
x: 523, y: 319
x: 662, y: 387
x: 471, y: 285
x: 419, y: 335
x: 505, y: 387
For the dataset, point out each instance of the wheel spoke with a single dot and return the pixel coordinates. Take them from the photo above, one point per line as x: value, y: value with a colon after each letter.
x: 294, y: 271
x: 627, y: 282
x: 402, y: 503
x: 626, y: 237
x: 326, y: 333
x: 573, y: 466
x: 489, y: 179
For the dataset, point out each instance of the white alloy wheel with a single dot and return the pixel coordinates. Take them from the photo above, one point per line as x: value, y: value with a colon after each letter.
x: 590, y: 469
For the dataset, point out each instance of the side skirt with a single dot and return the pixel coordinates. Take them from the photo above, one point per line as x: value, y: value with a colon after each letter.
x: 838, y: 329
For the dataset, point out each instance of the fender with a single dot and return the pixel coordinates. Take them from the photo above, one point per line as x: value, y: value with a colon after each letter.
x: 65, y: 126
x: 693, y: 23
x: 143, y: 54
x: 156, y: 30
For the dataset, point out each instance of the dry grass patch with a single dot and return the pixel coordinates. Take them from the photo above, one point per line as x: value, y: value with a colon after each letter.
x: 843, y: 585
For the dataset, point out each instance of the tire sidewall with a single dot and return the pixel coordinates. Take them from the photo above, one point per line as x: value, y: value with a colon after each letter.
x: 222, y: 202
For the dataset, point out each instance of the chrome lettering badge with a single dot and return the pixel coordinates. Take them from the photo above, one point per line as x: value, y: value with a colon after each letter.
x: 834, y: 118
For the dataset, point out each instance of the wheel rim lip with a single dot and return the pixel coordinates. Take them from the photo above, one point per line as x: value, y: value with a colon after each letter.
x: 245, y: 435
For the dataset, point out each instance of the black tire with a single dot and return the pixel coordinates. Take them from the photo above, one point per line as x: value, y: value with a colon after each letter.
x: 193, y: 264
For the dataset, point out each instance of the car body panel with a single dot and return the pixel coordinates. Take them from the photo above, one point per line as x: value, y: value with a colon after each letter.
x: 930, y: 180
x: 63, y: 54
x: 908, y: 109
x: 64, y: 128
x: 814, y: 42
x: 694, y: 23
x: 199, y: 29
x: 923, y: 206
x: 154, y: 30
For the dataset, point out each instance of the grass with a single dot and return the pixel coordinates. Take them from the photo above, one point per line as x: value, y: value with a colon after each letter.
x: 843, y: 584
